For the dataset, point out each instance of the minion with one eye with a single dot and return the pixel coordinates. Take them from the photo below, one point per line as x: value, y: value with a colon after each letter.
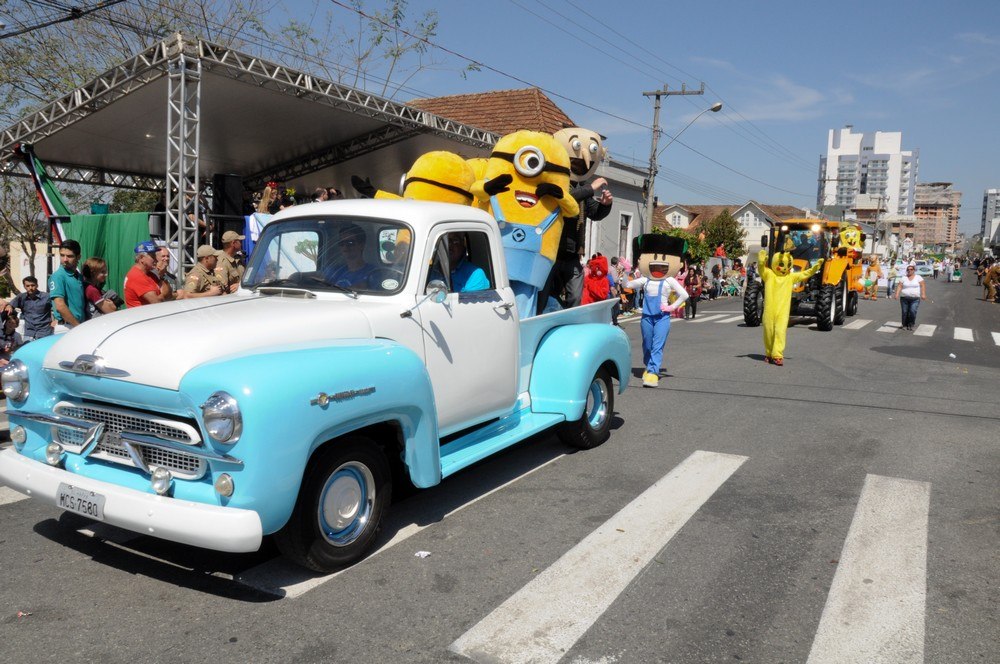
x: 526, y: 185
x: 779, y: 281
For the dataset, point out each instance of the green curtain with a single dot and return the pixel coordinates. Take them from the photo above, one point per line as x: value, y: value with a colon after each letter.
x: 112, y: 237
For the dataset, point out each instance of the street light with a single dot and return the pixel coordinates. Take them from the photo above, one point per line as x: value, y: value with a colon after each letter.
x: 654, y: 154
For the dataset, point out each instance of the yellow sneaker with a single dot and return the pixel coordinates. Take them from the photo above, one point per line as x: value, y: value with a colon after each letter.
x: 650, y: 379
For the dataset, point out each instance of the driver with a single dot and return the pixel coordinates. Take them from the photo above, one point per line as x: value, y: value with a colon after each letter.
x: 355, y: 272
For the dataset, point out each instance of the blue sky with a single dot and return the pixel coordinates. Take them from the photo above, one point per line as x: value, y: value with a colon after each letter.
x: 787, y: 72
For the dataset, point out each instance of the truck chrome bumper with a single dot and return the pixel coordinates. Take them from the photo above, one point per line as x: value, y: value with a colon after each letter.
x: 208, y: 526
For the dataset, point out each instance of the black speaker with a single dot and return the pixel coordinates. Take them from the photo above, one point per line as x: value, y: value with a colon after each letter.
x: 227, y: 195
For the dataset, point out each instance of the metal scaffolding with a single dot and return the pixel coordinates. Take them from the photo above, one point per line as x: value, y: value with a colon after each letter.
x: 183, y: 200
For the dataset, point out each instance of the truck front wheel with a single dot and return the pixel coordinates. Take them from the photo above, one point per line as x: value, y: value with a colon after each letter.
x: 346, y: 491
x: 594, y: 426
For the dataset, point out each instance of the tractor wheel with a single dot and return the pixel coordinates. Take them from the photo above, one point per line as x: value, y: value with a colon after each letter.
x: 826, y: 307
x: 840, y: 295
x: 753, y: 304
x: 852, y: 304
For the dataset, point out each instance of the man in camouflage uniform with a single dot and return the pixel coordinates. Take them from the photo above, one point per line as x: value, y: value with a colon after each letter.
x: 201, y: 280
x: 229, y: 269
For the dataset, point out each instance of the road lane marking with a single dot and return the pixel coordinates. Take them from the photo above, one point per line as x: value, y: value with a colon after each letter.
x: 925, y: 330
x: 856, y: 324
x: 284, y: 578
x: 730, y: 320
x: 108, y: 533
x: 875, y: 609
x: 996, y: 338
x: 704, y: 319
x: 8, y: 495
x: 963, y: 334
x: 889, y: 327
x: 531, y: 627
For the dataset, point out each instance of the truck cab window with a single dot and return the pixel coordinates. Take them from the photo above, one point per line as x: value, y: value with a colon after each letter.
x: 462, y: 260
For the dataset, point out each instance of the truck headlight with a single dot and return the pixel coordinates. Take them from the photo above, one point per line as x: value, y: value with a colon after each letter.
x: 223, y: 420
x: 14, y: 378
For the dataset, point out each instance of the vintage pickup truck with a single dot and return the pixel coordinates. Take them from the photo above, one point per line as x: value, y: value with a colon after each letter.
x: 354, y: 354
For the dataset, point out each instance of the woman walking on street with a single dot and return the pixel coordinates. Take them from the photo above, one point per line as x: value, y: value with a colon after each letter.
x: 692, y: 284
x: 909, y: 291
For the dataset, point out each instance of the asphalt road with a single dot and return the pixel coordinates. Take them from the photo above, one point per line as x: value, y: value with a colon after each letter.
x: 740, y: 512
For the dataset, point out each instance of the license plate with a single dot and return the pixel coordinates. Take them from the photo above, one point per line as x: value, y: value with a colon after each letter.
x: 81, y: 501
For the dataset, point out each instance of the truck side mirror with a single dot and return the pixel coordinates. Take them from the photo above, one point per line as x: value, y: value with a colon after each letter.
x: 763, y: 242
x: 436, y: 291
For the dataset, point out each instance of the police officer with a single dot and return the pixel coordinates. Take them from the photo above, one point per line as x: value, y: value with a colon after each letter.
x: 202, y: 280
x: 229, y: 269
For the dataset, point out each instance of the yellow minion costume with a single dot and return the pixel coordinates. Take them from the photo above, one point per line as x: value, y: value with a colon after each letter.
x: 526, y: 185
x: 779, y: 280
x: 440, y: 176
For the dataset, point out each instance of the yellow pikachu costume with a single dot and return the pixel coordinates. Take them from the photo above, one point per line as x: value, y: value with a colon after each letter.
x: 779, y: 280
x: 526, y: 185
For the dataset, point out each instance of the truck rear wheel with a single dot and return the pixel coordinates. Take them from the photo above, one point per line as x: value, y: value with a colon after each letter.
x: 825, y: 307
x: 840, y: 313
x: 753, y: 303
x: 852, y: 304
x: 345, y: 493
x: 594, y: 426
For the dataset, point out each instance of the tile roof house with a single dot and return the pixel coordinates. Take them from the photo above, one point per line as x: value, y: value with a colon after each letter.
x: 500, y: 111
x: 753, y: 216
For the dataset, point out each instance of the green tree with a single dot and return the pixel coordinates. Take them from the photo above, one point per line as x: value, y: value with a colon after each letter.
x: 725, y: 230
x: 698, y: 249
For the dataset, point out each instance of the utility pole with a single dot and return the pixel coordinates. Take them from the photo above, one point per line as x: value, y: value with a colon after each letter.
x: 665, y: 92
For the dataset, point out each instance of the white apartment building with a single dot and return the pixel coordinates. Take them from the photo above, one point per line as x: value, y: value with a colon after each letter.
x: 871, y: 163
x: 991, y: 209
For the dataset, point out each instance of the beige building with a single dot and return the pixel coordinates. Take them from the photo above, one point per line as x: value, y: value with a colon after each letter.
x: 936, y: 208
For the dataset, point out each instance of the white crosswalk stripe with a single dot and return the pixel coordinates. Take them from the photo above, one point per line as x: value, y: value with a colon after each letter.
x: 530, y: 627
x: 10, y: 496
x: 857, y: 324
x: 732, y: 319
x: 705, y: 319
x: 996, y: 338
x: 963, y: 334
x: 889, y: 327
x: 876, y: 605
x: 925, y: 331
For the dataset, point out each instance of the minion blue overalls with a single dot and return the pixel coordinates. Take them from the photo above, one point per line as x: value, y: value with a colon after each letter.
x: 527, y: 268
x: 655, y: 326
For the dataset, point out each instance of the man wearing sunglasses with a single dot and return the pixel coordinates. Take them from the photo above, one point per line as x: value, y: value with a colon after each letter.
x: 355, y: 272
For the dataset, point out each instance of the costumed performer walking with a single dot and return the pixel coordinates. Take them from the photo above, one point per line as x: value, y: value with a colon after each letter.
x: 779, y: 280
x: 657, y: 259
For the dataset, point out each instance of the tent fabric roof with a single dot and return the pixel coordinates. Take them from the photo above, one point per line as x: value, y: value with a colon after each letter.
x: 257, y: 119
x: 500, y: 111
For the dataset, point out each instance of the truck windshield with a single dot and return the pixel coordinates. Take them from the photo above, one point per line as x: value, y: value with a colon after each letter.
x: 352, y: 254
x: 804, y: 244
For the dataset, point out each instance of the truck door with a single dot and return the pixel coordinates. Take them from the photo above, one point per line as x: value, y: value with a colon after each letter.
x: 470, y: 339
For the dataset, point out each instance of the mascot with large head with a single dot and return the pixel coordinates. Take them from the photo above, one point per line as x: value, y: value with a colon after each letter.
x: 657, y: 259
x: 439, y: 176
x: 526, y: 185
x: 779, y: 281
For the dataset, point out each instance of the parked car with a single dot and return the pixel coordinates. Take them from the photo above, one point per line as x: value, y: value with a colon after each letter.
x: 924, y: 268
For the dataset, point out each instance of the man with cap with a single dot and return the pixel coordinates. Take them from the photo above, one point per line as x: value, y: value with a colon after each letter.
x: 201, y: 280
x: 229, y: 269
x: 141, y: 286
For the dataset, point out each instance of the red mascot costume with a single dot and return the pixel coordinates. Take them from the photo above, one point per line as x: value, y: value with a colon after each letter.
x: 596, y: 287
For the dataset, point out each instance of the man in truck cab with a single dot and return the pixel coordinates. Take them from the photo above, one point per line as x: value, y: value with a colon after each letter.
x: 465, y: 275
x: 355, y: 271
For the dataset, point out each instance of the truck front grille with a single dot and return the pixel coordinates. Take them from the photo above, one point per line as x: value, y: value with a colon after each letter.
x: 116, y: 420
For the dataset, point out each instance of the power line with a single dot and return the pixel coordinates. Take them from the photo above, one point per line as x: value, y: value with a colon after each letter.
x: 73, y: 14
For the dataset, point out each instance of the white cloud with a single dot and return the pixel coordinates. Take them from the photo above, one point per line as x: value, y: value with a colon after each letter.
x: 713, y: 62
x: 978, y: 38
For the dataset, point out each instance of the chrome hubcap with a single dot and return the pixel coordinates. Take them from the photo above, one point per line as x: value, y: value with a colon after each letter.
x: 346, y: 504
x: 597, y: 404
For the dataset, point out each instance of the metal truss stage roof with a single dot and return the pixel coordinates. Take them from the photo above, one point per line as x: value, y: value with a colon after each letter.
x: 254, y: 118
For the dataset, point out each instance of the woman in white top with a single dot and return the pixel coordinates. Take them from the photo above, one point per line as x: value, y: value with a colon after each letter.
x: 909, y: 291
